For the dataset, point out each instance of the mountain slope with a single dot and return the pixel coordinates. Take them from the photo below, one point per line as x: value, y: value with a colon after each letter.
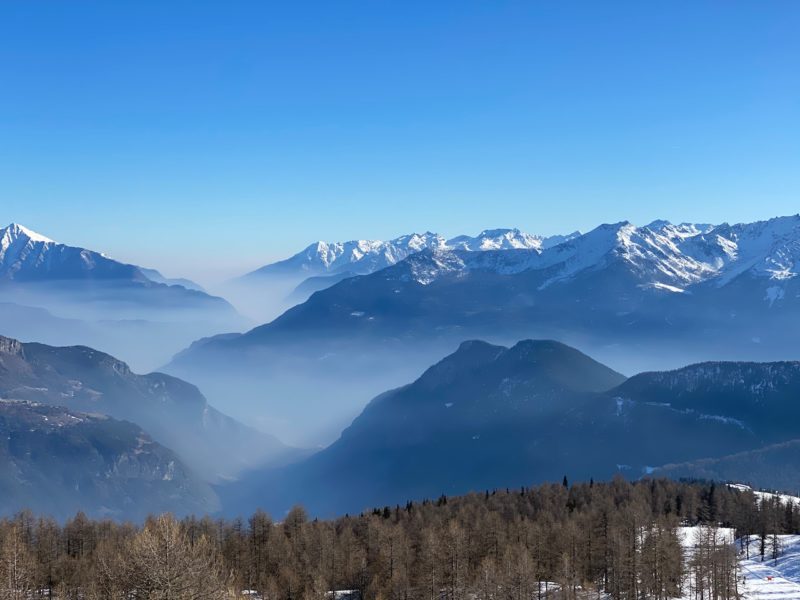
x: 58, y: 462
x: 356, y: 256
x: 670, y: 254
x: 323, y: 264
x: 105, y: 296
x: 640, y: 298
x: 661, y: 256
x: 772, y: 467
x: 31, y: 263
x: 157, y: 277
x: 488, y: 416
x: 361, y: 257
x: 760, y: 396
x: 29, y: 256
x: 174, y: 412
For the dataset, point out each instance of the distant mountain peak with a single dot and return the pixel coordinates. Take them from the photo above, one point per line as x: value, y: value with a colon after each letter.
x: 362, y: 257
x: 17, y: 235
x: 470, y: 345
x: 526, y: 347
x: 560, y: 364
x: 26, y: 255
x: 15, y: 230
x: 471, y: 351
x: 662, y: 256
x: 658, y: 224
x: 497, y: 239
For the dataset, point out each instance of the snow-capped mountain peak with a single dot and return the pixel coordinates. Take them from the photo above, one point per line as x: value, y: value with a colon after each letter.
x: 28, y: 255
x: 20, y: 245
x: 660, y: 256
x: 367, y: 256
x: 15, y: 232
x: 358, y: 256
x: 496, y: 239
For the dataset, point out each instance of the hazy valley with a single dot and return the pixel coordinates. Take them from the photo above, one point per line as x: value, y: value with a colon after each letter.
x: 430, y: 328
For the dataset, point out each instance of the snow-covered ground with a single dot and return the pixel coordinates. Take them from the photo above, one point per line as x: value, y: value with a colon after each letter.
x: 772, y: 579
x: 783, y: 498
x: 689, y: 536
x: 769, y: 580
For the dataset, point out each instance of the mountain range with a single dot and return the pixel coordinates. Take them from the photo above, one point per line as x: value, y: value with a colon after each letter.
x: 322, y: 264
x: 360, y: 257
x: 172, y: 411
x: 95, y: 300
x: 488, y: 416
x: 484, y: 417
x: 492, y: 413
x: 27, y: 256
x: 649, y: 297
x: 663, y: 256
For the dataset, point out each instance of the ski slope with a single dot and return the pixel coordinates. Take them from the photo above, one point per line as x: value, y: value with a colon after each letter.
x: 768, y: 580
x: 772, y: 580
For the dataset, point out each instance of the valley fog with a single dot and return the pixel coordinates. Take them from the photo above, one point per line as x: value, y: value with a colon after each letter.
x: 127, y: 322
x: 364, y: 371
x: 399, y: 301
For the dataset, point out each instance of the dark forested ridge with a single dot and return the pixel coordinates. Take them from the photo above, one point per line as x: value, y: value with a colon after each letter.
x: 554, y: 541
x: 489, y: 416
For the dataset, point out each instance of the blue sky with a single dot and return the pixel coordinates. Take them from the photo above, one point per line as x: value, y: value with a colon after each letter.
x: 206, y: 138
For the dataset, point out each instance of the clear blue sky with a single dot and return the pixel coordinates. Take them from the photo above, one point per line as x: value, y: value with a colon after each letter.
x: 210, y: 137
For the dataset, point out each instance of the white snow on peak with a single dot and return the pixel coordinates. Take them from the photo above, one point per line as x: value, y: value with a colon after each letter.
x: 555, y: 240
x: 15, y: 231
x: 662, y: 256
x: 658, y: 224
x: 359, y: 256
x: 507, y: 239
x: 687, y: 254
x: 367, y: 256
x: 496, y: 239
x: 19, y: 245
x: 426, y: 271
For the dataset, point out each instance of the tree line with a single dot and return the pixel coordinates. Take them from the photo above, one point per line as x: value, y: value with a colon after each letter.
x: 549, y: 541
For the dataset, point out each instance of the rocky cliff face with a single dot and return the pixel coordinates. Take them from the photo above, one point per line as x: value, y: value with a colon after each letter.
x: 10, y: 347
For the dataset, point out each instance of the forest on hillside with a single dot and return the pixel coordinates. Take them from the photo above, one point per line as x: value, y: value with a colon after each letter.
x: 551, y: 541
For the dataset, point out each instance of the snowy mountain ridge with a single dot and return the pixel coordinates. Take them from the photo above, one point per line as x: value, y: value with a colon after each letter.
x: 15, y: 231
x: 27, y: 255
x: 361, y: 257
x: 662, y: 256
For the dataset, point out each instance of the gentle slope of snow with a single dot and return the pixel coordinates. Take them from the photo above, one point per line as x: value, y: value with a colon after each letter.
x: 772, y: 579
